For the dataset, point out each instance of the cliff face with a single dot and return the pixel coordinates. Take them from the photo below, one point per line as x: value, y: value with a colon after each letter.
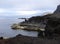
x: 53, y: 24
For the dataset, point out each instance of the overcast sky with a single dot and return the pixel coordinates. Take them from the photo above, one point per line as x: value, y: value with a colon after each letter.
x: 27, y: 7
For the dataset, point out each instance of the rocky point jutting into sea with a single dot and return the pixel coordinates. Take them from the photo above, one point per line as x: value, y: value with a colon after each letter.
x: 42, y: 23
x: 50, y: 25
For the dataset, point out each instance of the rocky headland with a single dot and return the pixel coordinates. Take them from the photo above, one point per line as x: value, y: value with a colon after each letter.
x: 46, y: 22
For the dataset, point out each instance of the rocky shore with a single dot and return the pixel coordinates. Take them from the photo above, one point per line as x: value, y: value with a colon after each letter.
x: 19, y: 39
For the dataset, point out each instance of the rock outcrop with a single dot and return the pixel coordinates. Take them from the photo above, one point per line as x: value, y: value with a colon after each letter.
x: 53, y: 24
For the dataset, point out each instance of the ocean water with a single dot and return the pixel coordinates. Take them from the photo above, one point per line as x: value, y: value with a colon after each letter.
x: 6, y: 31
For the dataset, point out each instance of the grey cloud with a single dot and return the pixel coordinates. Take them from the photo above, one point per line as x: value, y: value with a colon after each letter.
x: 29, y: 4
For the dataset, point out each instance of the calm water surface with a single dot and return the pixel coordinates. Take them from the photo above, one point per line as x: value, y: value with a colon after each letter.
x: 6, y: 31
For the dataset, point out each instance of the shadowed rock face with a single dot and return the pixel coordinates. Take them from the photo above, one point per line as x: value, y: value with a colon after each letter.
x: 52, y: 27
x: 53, y: 24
